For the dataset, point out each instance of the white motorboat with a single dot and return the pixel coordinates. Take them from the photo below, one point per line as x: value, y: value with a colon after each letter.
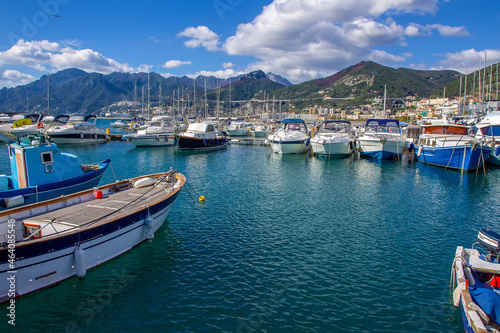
x: 17, y: 121
x: 238, y: 128
x: 118, y: 124
x: 84, y: 132
x: 66, y: 236
x: 159, y: 132
x: 40, y: 127
x: 259, y: 131
x: 201, y: 136
x: 291, y: 138
x: 488, y: 131
x: 334, y: 139
x: 381, y: 139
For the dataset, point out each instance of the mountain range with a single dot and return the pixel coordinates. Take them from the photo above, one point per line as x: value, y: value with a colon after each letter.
x: 76, y: 91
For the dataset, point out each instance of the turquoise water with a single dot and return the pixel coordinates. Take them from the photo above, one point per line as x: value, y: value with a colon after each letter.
x: 282, y: 244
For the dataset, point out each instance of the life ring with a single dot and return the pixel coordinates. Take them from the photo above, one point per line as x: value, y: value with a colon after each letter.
x: 39, y: 125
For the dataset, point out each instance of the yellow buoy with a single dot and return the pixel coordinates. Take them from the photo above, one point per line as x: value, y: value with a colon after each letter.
x: 107, y: 130
x: 201, y: 199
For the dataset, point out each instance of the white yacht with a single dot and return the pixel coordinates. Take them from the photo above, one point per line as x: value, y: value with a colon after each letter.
x: 159, y: 132
x: 381, y: 139
x: 238, y: 128
x: 291, y: 138
x: 334, y: 139
x: 84, y: 132
x: 202, y: 136
x: 488, y: 130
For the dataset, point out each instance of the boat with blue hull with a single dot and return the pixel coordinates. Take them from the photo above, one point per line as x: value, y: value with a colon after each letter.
x: 381, y: 139
x: 450, y: 146
x: 40, y: 171
x: 476, y: 275
x: 64, y: 237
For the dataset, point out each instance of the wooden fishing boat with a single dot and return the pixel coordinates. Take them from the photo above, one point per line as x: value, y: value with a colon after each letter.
x: 44, y: 243
x: 477, y: 277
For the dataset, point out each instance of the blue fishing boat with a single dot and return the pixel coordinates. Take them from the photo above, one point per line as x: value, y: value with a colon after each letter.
x: 477, y: 279
x: 41, y: 172
x: 450, y: 146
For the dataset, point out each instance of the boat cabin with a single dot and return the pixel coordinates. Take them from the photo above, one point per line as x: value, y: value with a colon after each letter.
x: 382, y: 125
x: 445, y: 129
x: 35, y: 161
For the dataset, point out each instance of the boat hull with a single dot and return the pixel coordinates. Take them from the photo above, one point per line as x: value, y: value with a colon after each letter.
x: 40, y: 264
x: 154, y: 140
x: 459, y: 157
x: 190, y: 143
x: 52, y: 190
x: 76, y: 138
x: 332, y: 149
x: 290, y: 147
x: 380, y: 148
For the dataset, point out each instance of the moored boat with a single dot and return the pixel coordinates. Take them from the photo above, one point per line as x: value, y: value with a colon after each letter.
x: 40, y: 171
x: 477, y: 277
x: 84, y: 132
x: 451, y: 146
x: 291, y: 138
x: 201, y: 136
x: 159, y: 132
x: 238, y: 128
x: 381, y: 139
x: 334, y: 139
x: 63, y: 237
x: 488, y: 130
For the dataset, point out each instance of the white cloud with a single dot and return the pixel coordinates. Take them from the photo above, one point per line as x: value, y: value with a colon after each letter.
x: 12, y: 78
x: 49, y: 56
x: 221, y: 74
x: 228, y: 65
x: 468, y: 60
x: 201, y: 36
x: 175, y: 63
x: 306, y: 39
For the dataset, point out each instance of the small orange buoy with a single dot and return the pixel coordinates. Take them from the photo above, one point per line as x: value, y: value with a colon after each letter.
x: 98, y: 194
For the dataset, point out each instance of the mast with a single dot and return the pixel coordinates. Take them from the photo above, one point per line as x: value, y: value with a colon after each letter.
x: 159, y: 101
x: 48, y: 96
x: 385, y: 97
x: 135, y: 98
x: 230, y: 90
x: 218, y: 96
x: 206, y: 97
x: 194, y: 97
x: 149, y: 87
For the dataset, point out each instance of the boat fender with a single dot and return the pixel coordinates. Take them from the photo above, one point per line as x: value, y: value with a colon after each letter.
x: 205, y: 142
x: 81, y: 135
x: 39, y: 125
x: 98, y: 194
x: 350, y: 145
x: 80, y: 263
x: 143, y: 182
x: 148, y: 228
x: 306, y: 142
x: 157, y: 137
x: 95, y: 136
x: 420, y: 150
x: 15, y: 201
x: 412, y: 146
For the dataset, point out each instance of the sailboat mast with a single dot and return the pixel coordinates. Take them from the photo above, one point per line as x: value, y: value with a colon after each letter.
x: 149, y: 87
x: 385, y: 97
x: 194, y: 98
x: 48, y: 95
x: 206, y: 102
x: 230, y: 91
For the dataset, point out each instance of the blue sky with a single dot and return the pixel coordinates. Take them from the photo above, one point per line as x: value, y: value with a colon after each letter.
x: 298, y: 39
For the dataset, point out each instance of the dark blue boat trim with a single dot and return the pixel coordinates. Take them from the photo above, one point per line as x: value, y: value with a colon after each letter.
x: 29, y: 250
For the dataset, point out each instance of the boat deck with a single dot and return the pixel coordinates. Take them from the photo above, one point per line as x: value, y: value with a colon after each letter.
x: 97, y: 211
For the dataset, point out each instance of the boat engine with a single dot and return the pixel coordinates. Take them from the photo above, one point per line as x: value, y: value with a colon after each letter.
x: 490, y: 240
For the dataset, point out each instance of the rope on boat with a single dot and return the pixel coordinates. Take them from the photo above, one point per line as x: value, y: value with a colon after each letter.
x: 453, y: 152
x: 159, y: 181
x: 113, y: 171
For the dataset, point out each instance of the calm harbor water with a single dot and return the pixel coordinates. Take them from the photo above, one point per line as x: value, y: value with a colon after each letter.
x: 282, y: 244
